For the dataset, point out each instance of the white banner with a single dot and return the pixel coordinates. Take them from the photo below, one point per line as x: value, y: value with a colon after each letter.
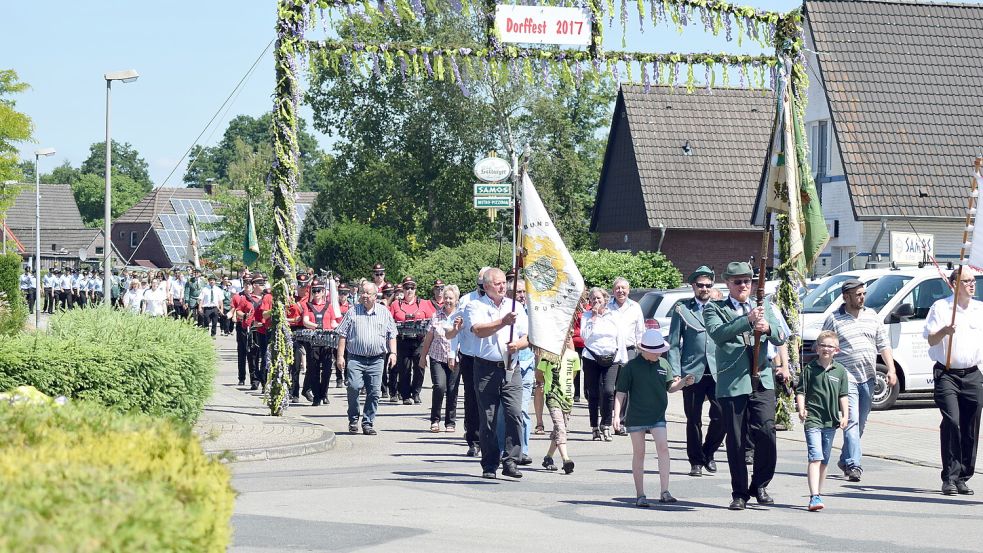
x: 542, y: 25
x: 553, y: 282
x: 976, y: 249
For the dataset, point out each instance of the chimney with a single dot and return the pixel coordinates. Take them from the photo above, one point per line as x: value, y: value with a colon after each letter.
x: 209, y: 186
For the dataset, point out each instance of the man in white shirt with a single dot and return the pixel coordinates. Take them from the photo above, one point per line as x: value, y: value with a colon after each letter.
x: 25, y: 289
x: 49, y: 301
x: 499, y: 333
x: 958, y: 383
x: 209, y: 303
x: 66, y: 290
x: 175, y: 294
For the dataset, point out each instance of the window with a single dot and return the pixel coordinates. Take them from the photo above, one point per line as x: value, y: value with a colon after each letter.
x: 99, y: 250
x: 820, y: 149
x: 924, y: 295
x: 133, y: 240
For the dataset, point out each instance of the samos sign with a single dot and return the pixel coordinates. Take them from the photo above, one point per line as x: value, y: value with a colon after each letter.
x: 492, y: 169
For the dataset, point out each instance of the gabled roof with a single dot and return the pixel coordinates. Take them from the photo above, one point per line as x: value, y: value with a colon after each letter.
x: 69, y: 240
x: 727, y: 131
x: 58, y: 208
x: 158, y: 202
x: 903, y: 84
x: 11, y: 237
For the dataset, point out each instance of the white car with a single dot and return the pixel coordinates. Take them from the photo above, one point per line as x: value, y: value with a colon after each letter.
x: 821, y: 301
x: 657, y: 305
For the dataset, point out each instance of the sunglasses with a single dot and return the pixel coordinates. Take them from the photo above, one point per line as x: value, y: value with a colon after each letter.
x: 703, y: 285
x: 380, y: 273
x: 740, y: 281
x: 409, y: 287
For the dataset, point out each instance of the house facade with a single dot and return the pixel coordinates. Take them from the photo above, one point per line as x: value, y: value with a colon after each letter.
x: 893, y: 126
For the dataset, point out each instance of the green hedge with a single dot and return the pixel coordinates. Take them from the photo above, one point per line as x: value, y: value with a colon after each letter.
x: 81, y: 478
x: 13, y: 308
x: 458, y: 265
x: 351, y: 249
x: 643, y: 270
x: 126, y: 361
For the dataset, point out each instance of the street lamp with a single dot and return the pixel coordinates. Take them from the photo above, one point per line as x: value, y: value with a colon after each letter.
x: 127, y: 76
x: 45, y: 152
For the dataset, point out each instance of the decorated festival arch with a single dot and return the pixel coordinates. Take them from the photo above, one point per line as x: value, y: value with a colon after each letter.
x: 498, y: 60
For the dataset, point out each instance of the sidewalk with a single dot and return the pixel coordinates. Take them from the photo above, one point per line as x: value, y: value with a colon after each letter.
x: 237, y: 421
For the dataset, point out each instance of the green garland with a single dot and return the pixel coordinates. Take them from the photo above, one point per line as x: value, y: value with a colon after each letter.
x: 283, y: 181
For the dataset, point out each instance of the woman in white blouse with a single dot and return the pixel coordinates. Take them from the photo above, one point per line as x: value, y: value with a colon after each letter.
x: 155, y: 300
x: 604, y: 352
x: 133, y: 297
x: 439, y: 352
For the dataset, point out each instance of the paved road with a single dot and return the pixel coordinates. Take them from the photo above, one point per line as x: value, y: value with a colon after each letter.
x: 408, y: 489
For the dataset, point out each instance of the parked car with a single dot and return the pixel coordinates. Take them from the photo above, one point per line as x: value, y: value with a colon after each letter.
x: 826, y: 298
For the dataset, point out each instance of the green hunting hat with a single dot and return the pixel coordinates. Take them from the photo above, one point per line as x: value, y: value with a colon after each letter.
x: 703, y: 270
x: 738, y: 268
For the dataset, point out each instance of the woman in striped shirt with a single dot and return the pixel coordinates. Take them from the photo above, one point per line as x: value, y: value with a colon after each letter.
x: 439, y: 351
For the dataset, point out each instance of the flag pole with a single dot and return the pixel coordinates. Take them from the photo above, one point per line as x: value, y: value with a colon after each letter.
x: 760, y: 295
x: 974, y: 193
x: 517, y: 178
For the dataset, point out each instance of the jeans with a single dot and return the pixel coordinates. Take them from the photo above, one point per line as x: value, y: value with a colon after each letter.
x: 367, y: 372
x: 528, y: 380
x: 860, y: 400
x: 819, y: 443
x: 445, y: 382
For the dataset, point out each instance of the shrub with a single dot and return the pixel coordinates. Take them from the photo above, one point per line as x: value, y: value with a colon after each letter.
x: 643, y: 270
x: 81, y: 478
x: 123, y: 360
x: 458, y: 265
x: 13, y: 308
x: 350, y: 249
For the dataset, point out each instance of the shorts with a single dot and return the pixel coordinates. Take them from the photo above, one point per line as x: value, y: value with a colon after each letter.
x: 560, y: 422
x: 645, y: 428
x: 819, y: 443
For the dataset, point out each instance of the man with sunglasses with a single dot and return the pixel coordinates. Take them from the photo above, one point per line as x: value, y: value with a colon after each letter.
x: 958, y: 381
x: 746, y: 396
x: 691, y: 352
x: 863, y: 336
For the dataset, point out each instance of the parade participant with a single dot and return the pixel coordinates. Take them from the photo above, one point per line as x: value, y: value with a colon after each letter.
x: 822, y: 401
x: 605, y: 350
x: 407, y: 379
x: 958, y: 383
x: 133, y: 298
x: 528, y: 374
x: 578, y: 344
x: 343, y: 306
x: 155, y: 300
x: 645, y: 382
x: 578, y: 347
x: 258, y: 305
x: 746, y: 396
x: 436, y: 300
x: 192, y: 291
x: 468, y: 346
x: 493, y: 322
x: 862, y: 337
x: 295, y: 318
x: 691, y: 352
x: 175, y: 295
x: 24, y: 283
x: 49, y: 298
x: 66, y: 289
x: 439, y: 353
x: 379, y: 276
x: 630, y: 319
x: 82, y: 298
x: 95, y: 290
x: 367, y: 341
x: 73, y: 290
x: 558, y: 388
x: 240, y: 308
x: 209, y: 303
x: 320, y: 316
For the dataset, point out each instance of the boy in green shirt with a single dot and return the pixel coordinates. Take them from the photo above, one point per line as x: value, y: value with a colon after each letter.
x: 823, y: 404
x: 558, y: 389
x: 646, y: 381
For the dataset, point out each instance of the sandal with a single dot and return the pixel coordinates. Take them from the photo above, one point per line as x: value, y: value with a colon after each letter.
x: 435, y: 427
x: 641, y: 501
x: 540, y: 429
x: 548, y: 464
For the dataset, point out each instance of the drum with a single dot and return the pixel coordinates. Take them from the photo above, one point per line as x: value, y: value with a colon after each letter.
x: 325, y: 339
x: 303, y: 335
x: 412, y: 329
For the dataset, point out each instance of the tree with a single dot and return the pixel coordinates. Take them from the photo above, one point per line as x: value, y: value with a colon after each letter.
x: 350, y: 249
x: 126, y: 161
x: 213, y: 162
x: 643, y: 270
x: 14, y: 127
x: 90, y: 195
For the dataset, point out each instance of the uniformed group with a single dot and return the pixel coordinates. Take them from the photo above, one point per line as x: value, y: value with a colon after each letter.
x: 62, y: 288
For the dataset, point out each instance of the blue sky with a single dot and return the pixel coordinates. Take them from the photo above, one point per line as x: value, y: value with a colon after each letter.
x: 190, y: 56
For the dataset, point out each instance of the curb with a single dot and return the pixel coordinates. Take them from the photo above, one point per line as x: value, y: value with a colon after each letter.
x: 325, y: 442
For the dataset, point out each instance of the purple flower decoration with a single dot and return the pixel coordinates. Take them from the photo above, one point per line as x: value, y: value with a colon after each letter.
x: 683, y: 15
x: 402, y: 67
x: 460, y: 80
x: 375, y: 66
x: 426, y: 63
x: 346, y: 62
x: 705, y: 17
x: 645, y: 77
x: 728, y: 27
x: 456, y: 6
x: 674, y: 73
x: 743, y: 73
x: 578, y: 72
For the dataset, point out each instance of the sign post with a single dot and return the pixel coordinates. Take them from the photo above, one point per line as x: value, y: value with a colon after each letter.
x: 492, y: 193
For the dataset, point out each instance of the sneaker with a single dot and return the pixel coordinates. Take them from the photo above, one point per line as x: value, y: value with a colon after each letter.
x: 666, y: 497
x: 368, y: 430
x: 548, y: 464
x: 962, y: 488
x: 853, y: 474
x: 621, y: 431
x: 473, y: 451
x: 394, y: 400
x: 642, y: 502
x: 353, y: 427
x: 385, y: 393
x: 816, y: 503
x: 407, y: 401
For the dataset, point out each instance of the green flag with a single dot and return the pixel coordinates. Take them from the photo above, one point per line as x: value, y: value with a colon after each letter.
x: 815, y: 234
x: 250, y: 245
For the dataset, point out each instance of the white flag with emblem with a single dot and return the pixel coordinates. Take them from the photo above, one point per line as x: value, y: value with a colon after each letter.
x: 553, y: 281
x: 193, y: 242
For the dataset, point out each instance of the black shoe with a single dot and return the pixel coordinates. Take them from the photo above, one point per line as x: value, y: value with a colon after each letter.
x: 621, y: 431
x: 962, y: 488
x: 949, y: 489
x: 696, y: 470
x: 853, y: 474
x: 254, y: 386
x: 711, y: 466
x: 316, y: 403
x: 309, y: 395
x: 353, y: 427
x: 568, y: 466
x: 509, y: 469
x: 763, y: 498
x: 242, y: 382
x: 417, y: 400
x: 407, y: 401
x: 473, y: 451
x: 576, y: 399
x: 548, y: 464
x: 368, y: 430
x: 489, y: 475
x: 738, y: 504
x: 524, y: 460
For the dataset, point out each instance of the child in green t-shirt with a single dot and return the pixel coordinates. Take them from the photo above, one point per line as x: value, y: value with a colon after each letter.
x: 558, y: 390
x: 646, y: 382
x: 823, y: 405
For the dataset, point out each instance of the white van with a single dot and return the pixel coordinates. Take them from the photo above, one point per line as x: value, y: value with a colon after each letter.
x: 826, y: 298
x: 903, y: 298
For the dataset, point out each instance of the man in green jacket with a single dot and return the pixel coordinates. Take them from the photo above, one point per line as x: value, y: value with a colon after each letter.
x: 747, y: 401
x: 191, y: 292
x: 691, y: 352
